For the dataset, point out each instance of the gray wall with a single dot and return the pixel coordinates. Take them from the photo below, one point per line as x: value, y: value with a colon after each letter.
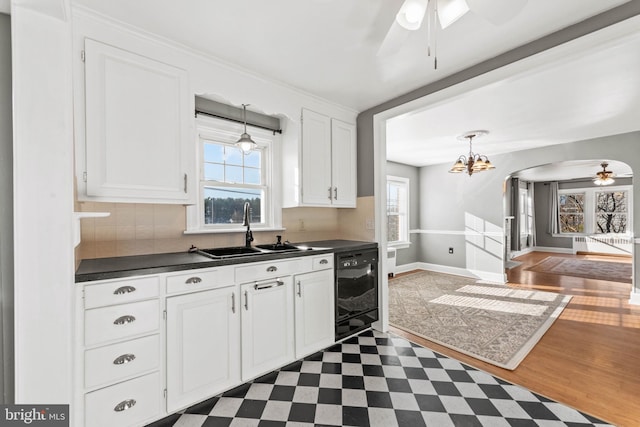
x: 410, y: 254
x: 6, y: 213
x: 365, y: 118
x: 454, y: 203
x: 542, y: 207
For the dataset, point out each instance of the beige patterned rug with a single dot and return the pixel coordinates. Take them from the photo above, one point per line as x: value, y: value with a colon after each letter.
x: 494, y: 323
x: 590, y: 269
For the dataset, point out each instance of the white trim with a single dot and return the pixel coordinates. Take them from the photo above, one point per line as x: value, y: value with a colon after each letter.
x: 555, y: 250
x: 515, y: 254
x: 255, y: 229
x: 637, y: 240
x: 399, y: 245
x: 459, y: 232
x: 488, y: 276
x: 407, y: 267
x: 634, y: 298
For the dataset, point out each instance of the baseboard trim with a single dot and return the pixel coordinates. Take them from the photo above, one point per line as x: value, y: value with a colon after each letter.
x: 457, y: 271
x: 555, y: 250
x: 634, y: 298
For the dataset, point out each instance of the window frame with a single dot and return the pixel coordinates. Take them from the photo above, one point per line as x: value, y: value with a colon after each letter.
x: 589, y: 213
x: 209, y: 129
x: 405, y: 241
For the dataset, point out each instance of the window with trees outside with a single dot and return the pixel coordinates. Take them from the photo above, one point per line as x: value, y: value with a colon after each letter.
x: 571, y: 212
x: 611, y: 211
x: 229, y: 178
x: 594, y: 211
x: 397, y: 211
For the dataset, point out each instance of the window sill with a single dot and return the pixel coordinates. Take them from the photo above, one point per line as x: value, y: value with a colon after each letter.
x: 399, y: 245
x: 231, y: 230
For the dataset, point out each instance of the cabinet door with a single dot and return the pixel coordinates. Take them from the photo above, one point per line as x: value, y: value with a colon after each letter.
x: 344, y: 166
x: 203, y: 345
x: 316, y: 159
x: 314, y: 312
x: 267, y: 326
x: 138, y: 134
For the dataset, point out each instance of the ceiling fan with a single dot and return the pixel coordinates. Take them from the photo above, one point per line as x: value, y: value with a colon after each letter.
x: 442, y: 13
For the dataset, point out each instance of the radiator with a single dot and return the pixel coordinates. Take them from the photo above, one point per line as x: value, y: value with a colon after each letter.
x: 391, y: 261
x: 604, y: 244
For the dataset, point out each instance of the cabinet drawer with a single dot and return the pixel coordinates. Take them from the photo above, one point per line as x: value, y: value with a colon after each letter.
x: 120, y: 321
x: 116, y: 362
x: 322, y: 262
x: 126, y: 404
x: 199, y: 279
x: 120, y: 291
x: 267, y: 270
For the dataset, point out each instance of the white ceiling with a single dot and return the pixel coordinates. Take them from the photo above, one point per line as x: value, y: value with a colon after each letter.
x: 329, y: 47
x: 583, y: 90
x: 332, y: 48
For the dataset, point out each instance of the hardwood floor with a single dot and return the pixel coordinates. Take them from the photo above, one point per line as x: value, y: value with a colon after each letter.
x: 590, y: 357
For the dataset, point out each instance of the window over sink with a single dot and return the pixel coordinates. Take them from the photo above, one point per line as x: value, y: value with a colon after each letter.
x: 228, y: 178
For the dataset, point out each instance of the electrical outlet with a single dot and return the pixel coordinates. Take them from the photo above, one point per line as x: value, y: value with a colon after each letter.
x: 450, y: 250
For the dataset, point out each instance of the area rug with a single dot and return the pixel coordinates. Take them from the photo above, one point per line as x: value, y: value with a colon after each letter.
x: 494, y: 323
x: 590, y: 269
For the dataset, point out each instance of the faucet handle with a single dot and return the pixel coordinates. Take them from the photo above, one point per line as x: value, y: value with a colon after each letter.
x: 279, y: 242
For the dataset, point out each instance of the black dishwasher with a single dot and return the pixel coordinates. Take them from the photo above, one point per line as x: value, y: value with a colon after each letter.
x: 356, y: 281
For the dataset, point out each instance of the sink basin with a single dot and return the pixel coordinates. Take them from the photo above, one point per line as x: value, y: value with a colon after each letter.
x: 283, y: 247
x: 234, y: 251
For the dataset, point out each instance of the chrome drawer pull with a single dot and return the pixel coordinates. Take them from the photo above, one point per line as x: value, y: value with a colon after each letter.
x: 272, y: 269
x: 324, y: 261
x: 335, y: 193
x: 125, y: 358
x: 124, y: 290
x: 193, y: 280
x: 124, y: 405
x: 123, y: 320
x: 246, y: 300
x: 261, y: 286
x: 299, y: 289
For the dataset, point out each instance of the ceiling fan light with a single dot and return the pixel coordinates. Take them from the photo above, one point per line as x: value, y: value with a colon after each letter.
x: 411, y: 14
x: 604, y: 177
x: 449, y: 11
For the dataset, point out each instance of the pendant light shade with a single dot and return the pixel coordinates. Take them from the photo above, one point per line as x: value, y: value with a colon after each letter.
x: 245, y: 143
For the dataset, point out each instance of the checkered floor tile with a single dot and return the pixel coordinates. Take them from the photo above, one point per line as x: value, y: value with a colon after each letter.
x: 378, y: 379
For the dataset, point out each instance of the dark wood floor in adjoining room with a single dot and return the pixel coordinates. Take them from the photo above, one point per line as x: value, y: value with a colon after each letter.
x: 590, y: 357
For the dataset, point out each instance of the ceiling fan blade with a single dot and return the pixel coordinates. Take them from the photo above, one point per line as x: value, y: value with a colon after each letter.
x: 497, y: 12
x: 449, y: 11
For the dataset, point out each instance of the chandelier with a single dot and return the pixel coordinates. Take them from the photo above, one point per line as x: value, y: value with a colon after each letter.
x: 474, y: 162
x: 604, y: 177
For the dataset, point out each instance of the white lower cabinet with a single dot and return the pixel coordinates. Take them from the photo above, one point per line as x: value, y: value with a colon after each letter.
x: 203, y: 345
x: 314, y: 312
x: 267, y: 325
x: 222, y: 326
x: 130, y: 403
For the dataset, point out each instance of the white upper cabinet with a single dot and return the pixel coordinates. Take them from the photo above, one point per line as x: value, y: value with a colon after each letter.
x: 320, y: 168
x: 139, y: 112
x: 343, y: 164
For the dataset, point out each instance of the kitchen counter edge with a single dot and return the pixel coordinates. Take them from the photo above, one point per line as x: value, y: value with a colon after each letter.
x: 96, y: 269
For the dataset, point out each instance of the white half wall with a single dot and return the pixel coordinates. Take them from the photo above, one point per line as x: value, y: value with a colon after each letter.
x: 43, y: 203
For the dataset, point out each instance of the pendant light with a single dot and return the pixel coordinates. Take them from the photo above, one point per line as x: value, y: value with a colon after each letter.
x: 245, y: 143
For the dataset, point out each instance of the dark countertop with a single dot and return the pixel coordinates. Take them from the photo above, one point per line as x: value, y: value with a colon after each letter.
x: 127, y: 266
